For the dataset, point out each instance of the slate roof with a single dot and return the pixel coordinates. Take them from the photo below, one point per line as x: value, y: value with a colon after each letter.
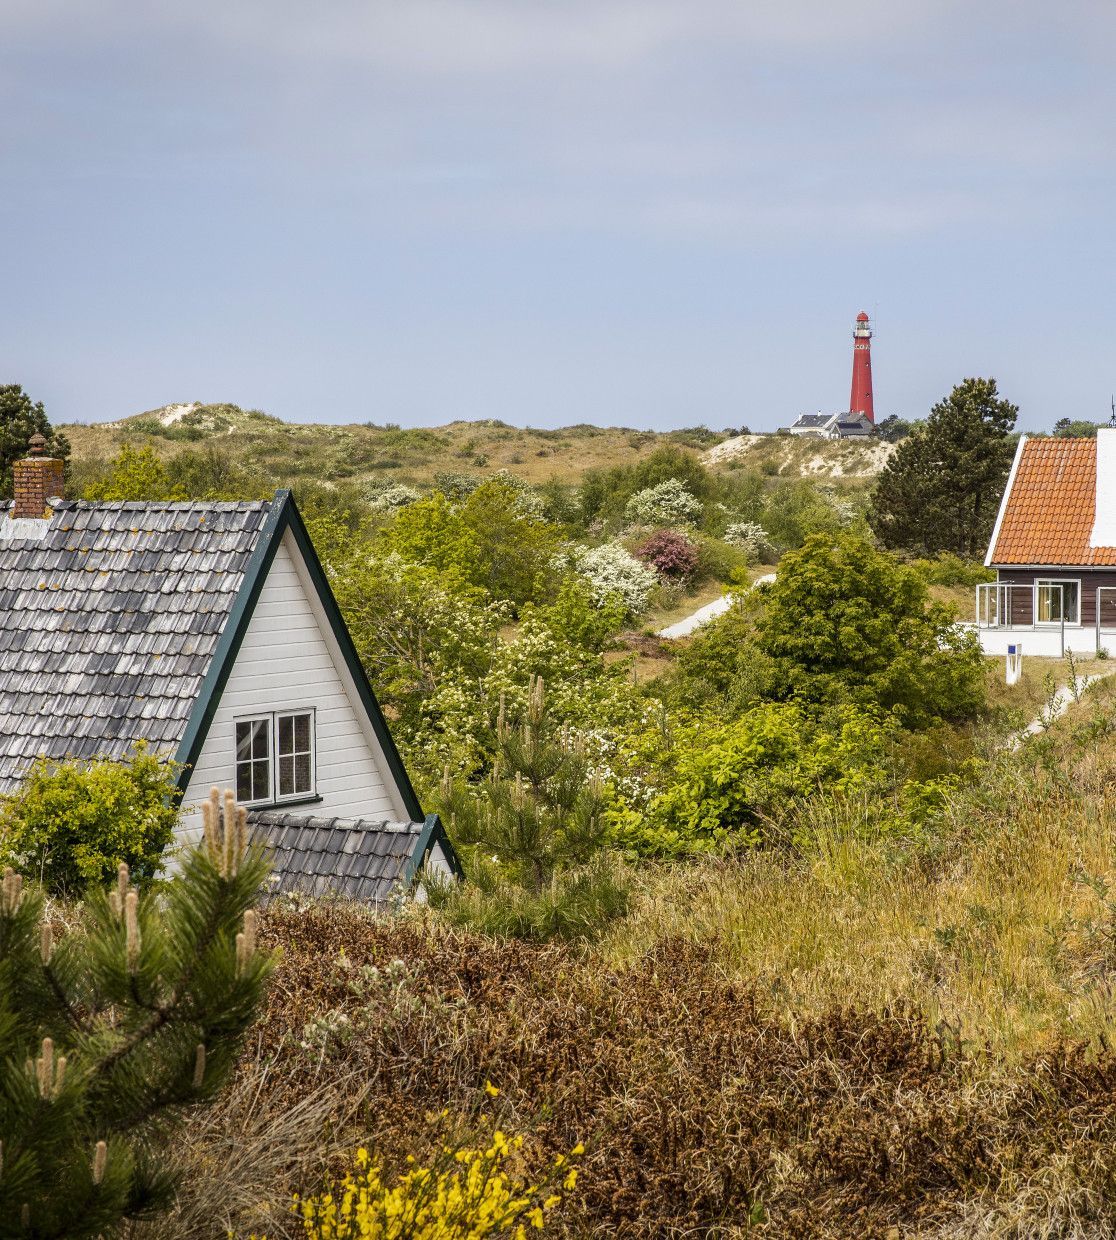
x: 108, y: 623
x: 1049, y: 511
x: 812, y: 421
x: 356, y: 858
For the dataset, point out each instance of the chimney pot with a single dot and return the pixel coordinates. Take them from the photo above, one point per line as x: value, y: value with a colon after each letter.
x: 37, y: 444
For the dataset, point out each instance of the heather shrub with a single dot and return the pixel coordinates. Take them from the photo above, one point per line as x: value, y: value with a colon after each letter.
x: 668, y: 503
x: 70, y: 824
x: 670, y: 554
x: 613, y: 572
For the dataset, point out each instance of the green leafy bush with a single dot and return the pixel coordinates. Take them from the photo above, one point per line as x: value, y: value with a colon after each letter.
x: 729, y: 783
x: 947, y: 569
x: 70, y: 824
x: 843, y: 621
x: 136, y: 474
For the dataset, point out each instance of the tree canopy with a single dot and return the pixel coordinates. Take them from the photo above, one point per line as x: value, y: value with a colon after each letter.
x: 20, y: 418
x: 941, y: 489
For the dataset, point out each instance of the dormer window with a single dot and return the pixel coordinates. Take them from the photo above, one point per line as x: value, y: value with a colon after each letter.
x: 275, y: 757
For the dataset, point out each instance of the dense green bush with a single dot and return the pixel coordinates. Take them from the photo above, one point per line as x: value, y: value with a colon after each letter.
x: 728, y: 784
x: 490, y: 539
x: 136, y: 474
x: 70, y: 824
x: 947, y: 569
x: 843, y: 621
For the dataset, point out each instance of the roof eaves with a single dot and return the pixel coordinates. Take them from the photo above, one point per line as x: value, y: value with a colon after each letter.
x: 1019, y: 449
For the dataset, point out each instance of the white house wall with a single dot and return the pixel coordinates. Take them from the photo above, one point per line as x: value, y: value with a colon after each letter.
x: 288, y: 660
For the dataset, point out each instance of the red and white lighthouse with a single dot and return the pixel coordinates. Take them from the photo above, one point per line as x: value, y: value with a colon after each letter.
x: 861, y: 399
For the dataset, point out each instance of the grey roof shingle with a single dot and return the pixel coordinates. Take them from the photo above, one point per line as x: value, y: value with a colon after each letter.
x: 108, y: 623
x: 357, y: 858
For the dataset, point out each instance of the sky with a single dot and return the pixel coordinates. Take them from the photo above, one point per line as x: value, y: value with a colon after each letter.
x: 648, y: 213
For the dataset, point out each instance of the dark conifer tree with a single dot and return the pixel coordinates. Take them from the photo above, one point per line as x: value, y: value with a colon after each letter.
x: 942, y: 488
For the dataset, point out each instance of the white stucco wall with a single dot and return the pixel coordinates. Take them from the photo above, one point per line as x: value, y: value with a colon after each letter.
x: 289, y: 659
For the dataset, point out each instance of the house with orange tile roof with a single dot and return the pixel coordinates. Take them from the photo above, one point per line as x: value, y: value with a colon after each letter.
x: 1054, y: 550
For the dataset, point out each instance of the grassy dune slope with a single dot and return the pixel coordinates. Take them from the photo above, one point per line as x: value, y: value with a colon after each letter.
x: 364, y: 452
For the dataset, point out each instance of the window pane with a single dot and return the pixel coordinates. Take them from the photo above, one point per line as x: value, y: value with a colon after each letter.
x: 302, y: 733
x: 302, y: 773
x: 244, y: 781
x: 243, y: 741
x: 261, y: 740
x: 286, y: 776
x: 286, y: 733
x: 261, y: 782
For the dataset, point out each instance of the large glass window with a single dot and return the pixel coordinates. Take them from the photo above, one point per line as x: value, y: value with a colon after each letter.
x: 275, y: 757
x: 1057, y: 601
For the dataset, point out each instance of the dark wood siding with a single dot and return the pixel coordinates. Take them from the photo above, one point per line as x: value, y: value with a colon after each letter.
x: 1022, y: 601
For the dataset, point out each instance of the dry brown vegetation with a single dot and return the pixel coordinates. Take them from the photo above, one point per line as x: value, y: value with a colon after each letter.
x: 704, y: 1112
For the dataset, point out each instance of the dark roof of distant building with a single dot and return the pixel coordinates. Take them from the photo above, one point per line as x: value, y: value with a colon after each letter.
x: 810, y: 420
x: 374, y: 862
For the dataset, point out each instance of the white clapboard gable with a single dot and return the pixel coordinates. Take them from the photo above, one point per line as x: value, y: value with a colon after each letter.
x: 289, y: 660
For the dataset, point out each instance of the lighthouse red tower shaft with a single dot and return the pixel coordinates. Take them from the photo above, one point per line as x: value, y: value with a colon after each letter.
x: 861, y: 399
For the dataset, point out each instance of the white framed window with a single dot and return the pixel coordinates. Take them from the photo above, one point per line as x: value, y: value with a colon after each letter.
x: 1057, y: 600
x: 275, y: 757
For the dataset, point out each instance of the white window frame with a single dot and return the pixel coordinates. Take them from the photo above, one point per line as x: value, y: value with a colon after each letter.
x: 1057, y: 581
x: 272, y: 718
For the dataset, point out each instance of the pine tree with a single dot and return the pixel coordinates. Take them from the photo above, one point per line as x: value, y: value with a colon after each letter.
x: 20, y: 418
x: 941, y: 489
x: 533, y: 834
x: 106, y: 1036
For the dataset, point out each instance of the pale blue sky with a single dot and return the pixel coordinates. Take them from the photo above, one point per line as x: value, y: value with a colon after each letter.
x: 637, y: 212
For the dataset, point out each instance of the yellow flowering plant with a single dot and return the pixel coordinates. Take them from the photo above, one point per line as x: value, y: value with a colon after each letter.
x: 466, y: 1193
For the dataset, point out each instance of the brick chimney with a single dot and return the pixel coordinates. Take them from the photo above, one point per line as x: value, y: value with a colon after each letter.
x: 37, y: 479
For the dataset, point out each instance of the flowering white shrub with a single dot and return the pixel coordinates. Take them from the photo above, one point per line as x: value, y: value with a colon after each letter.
x: 610, y: 569
x: 398, y: 495
x: 750, y: 537
x: 669, y: 503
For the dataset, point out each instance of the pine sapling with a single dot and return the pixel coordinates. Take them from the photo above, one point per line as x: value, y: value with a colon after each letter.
x: 109, y: 1033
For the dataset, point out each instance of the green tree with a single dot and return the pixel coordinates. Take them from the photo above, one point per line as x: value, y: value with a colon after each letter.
x: 20, y: 418
x: 136, y: 474
x: 491, y: 539
x: 845, y: 622
x: 941, y: 489
x: 532, y: 835
x: 107, y: 1038
x: 1074, y: 428
x: 70, y: 824
x: 893, y: 428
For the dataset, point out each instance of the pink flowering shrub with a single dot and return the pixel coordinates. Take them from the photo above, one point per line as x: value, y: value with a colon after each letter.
x: 670, y: 554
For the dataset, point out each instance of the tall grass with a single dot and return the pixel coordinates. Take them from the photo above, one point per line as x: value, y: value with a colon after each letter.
x: 1002, y: 928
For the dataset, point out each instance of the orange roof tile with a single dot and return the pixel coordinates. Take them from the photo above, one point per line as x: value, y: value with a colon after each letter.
x: 1050, y: 508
